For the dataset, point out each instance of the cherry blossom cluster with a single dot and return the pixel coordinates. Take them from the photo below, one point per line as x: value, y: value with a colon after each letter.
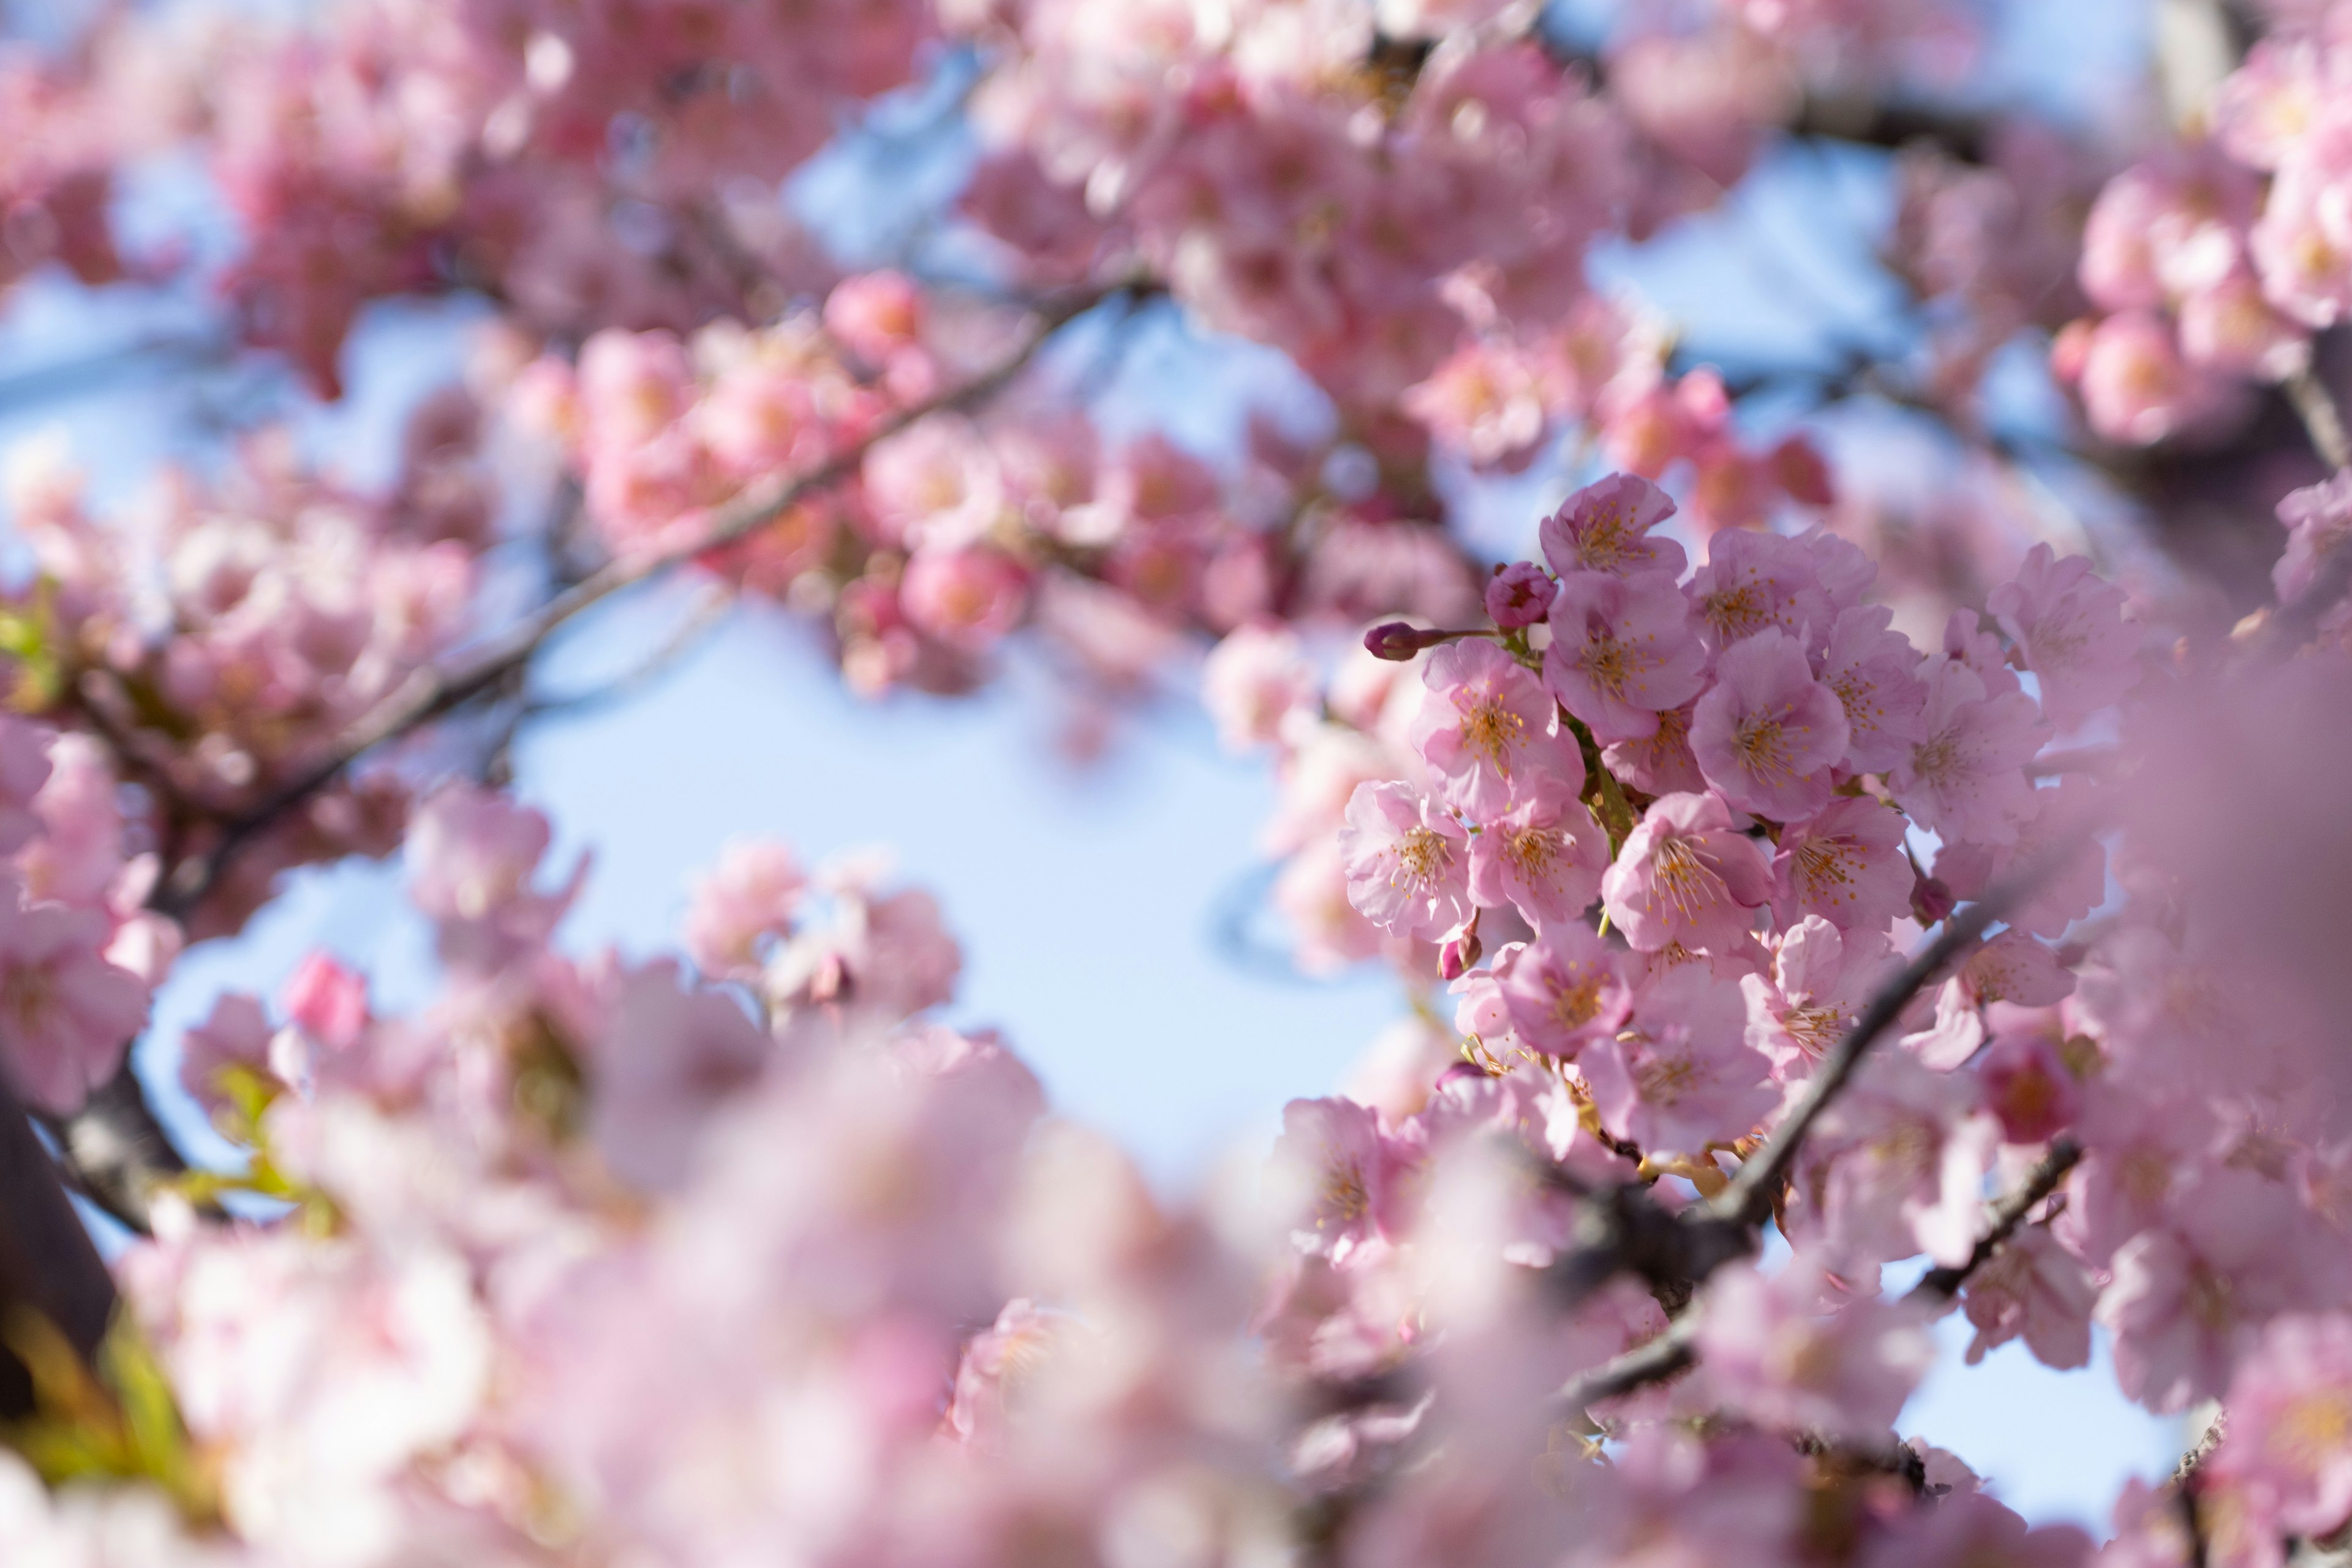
x: 57, y: 174
x: 590, y: 165
x: 1745, y: 771
x: 2212, y: 263
x: 955, y: 529
x: 178, y: 673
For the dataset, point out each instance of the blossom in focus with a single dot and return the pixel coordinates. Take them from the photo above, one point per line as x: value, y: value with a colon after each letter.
x: 1766, y: 733
x: 2069, y: 624
x: 1489, y: 732
x: 1407, y: 861
x: 1622, y: 651
x: 1686, y: 875
x: 1845, y: 865
x: 1965, y: 777
x: 1608, y: 528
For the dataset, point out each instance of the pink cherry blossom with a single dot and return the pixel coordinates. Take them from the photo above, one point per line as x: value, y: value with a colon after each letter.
x: 1820, y: 981
x: 1254, y: 679
x: 1845, y: 865
x: 2036, y: 1291
x: 1874, y: 669
x: 1520, y: 595
x: 2187, y: 1301
x: 326, y: 1002
x: 1565, y: 989
x: 1489, y: 732
x: 969, y: 598
x: 1661, y: 762
x: 70, y: 1015
x: 2317, y: 517
x: 750, y: 896
x: 1407, y: 861
x: 1607, y: 528
x: 1622, y: 651
x: 1898, y: 1164
x: 1544, y: 857
x: 24, y: 769
x: 1344, y: 1176
x: 1685, y: 875
x: 1965, y: 777
x: 1679, y: 1076
x: 2287, y: 1449
x: 1766, y: 733
x: 2070, y: 627
x: 1755, y: 582
x: 1773, y: 1353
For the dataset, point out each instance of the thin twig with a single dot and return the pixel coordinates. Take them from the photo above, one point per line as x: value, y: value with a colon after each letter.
x: 1943, y: 1283
x: 1747, y: 1200
x: 1654, y: 1361
x: 435, y: 690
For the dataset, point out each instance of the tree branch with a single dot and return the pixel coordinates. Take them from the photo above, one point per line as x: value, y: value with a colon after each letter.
x: 1747, y: 1200
x: 47, y: 1263
x: 435, y: 690
x: 114, y: 1145
x: 1944, y: 1283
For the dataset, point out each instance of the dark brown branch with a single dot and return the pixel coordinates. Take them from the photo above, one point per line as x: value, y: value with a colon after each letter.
x: 1943, y: 1283
x: 1747, y: 1200
x: 1653, y: 1361
x: 117, y: 1152
x: 47, y: 1263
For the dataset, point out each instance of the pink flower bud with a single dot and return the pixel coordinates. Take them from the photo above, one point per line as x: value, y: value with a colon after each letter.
x: 1519, y: 594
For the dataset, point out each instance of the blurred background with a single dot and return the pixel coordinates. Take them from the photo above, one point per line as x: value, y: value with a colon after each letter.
x: 1102, y: 874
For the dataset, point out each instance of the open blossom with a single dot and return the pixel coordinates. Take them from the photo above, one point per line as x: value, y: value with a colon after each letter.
x: 1661, y: 762
x: 1845, y: 865
x: 2069, y: 625
x: 2010, y: 968
x: 1621, y: 652
x: 1407, y: 861
x: 1820, y: 981
x: 1965, y: 778
x: 1680, y: 1075
x: 1684, y: 874
x: 2286, y: 1453
x: 1544, y: 857
x: 67, y: 1014
x: 1565, y: 989
x: 2318, y: 517
x: 2033, y: 1289
x: 1253, y: 679
x: 471, y: 851
x: 1606, y: 527
x: 1755, y: 582
x: 1489, y: 732
x: 1343, y: 1177
x: 748, y: 899
x: 665, y: 1062
x: 1766, y: 733
x: 2186, y: 1300
x: 1874, y: 669
x: 968, y: 597
x: 2073, y: 880
x: 1897, y: 1164
x: 1773, y: 1352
